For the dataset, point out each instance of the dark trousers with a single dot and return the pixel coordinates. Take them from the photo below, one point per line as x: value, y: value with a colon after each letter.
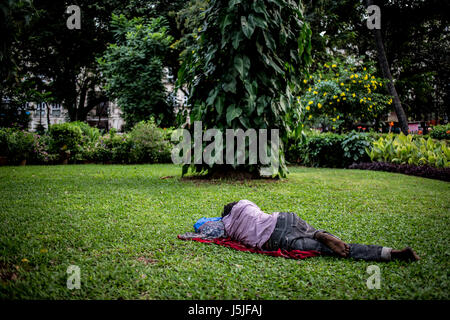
x: 293, y: 233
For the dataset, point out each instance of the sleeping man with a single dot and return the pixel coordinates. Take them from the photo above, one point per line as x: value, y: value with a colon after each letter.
x: 245, y: 222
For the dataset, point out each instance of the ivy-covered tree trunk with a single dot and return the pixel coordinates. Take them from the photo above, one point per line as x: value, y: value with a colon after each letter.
x: 244, y: 70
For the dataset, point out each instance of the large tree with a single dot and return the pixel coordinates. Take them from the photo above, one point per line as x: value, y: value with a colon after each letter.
x: 62, y: 60
x: 139, y: 48
x: 415, y: 39
x: 244, y: 69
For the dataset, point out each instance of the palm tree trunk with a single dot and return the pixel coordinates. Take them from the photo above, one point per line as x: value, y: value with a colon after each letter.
x: 384, y: 64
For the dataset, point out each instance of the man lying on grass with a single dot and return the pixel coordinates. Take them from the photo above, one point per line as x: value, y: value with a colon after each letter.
x: 245, y: 222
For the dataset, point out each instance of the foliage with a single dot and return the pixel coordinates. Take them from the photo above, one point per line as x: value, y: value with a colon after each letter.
x: 42, y: 153
x: 354, y: 146
x: 139, y: 48
x: 16, y: 144
x: 441, y: 132
x: 148, y: 144
x: 408, y: 169
x: 415, y: 38
x: 14, y: 115
x: 90, y: 134
x: 403, y: 149
x: 341, y: 93
x: 329, y: 149
x: 66, y: 137
x: 244, y: 68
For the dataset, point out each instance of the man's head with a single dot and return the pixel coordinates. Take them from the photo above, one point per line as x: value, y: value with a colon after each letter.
x: 227, y: 208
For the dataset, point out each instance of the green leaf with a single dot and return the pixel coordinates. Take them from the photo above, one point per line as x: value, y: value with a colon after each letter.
x: 233, y: 3
x: 220, y: 103
x: 283, y: 103
x: 226, y: 22
x: 248, y: 26
x: 237, y: 39
x: 242, y: 65
x: 233, y: 113
x: 230, y: 86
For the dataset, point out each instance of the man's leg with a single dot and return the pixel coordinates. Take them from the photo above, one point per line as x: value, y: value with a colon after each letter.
x: 366, y: 252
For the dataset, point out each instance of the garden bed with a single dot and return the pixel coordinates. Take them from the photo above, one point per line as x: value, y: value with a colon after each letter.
x: 412, y: 170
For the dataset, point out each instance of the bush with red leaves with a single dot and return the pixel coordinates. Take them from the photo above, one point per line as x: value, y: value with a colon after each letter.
x: 420, y: 171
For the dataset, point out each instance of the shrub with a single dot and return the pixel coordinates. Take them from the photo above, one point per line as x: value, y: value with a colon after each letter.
x: 17, y: 144
x: 330, y: 149
x: 340, y: 93
x: 420, y: 171
x: 90, y: 134
x: 41, y: 150
x: 441, y: 132
x: 417, y: 151
x: 3, y: 142
x: 66, y: 137
x: 354, y: 147
x: 148, y: 144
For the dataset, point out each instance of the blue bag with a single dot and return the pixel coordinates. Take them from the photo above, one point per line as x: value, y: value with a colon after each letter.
x: 201, y: 221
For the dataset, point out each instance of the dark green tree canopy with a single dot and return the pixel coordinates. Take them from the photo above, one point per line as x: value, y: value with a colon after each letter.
x: 133, y: 69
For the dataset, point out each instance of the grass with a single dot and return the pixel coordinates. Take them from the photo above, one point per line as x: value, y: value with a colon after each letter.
x: 119, y: 225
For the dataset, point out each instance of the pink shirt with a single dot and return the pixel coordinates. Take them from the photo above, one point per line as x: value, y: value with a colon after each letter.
x: 248, y: 224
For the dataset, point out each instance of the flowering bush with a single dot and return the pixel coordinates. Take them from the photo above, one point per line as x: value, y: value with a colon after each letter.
x: 41, y: 150
x: 441, y: 132
x: 339, y: 94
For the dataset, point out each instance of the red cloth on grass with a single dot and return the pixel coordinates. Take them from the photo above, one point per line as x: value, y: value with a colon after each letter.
x: 227, y: 242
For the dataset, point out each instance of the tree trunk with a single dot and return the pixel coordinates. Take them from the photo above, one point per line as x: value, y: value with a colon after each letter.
x: 48, y: 115
x: 384, y: 64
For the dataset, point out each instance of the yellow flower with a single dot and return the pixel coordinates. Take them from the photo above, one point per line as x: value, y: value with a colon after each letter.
x: 310, y: 116
x: 324, y: 94
x: 315, y: 92
x: 305, y: 81
x: 319, y: 105
x: 309, y: 90
x: 308, y: 108
x: 344, y: 98
x: 356, y: 76
x: 343, y: 94
x: 337, y: 117
x: 365, y: 69
x: 353, y: 95
x: 335, y: 97
x: 334, y: 119
x: 25, y: 260
x: 342, y: 84
x: 310, y: 102
x: 334, y: 66
x: 338, y: 100
x: 352, y: 76
x: 366, y: 77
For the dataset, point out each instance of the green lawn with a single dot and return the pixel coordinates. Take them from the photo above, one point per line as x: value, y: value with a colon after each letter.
x: 119, y: 224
